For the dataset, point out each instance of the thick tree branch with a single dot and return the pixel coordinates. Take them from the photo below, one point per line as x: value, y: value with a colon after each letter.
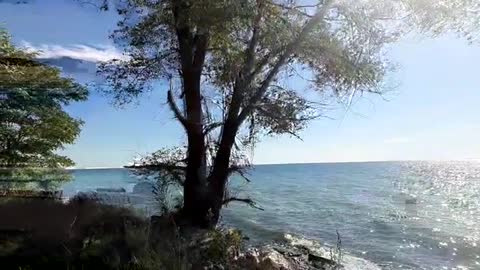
x: 220, y: 171
x: 317, y: 18
x: 176, y: 110
x: 263, y: 62
x: 250, y: 52
x: 200, y: 46
x: 243, y: 79
x: 184, y: 35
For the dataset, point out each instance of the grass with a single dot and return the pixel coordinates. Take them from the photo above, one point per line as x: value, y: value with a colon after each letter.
x: 40, y: 233
x: 82, y: 234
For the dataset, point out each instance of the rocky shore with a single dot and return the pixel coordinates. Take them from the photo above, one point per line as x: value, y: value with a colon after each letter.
x: 291, y: 253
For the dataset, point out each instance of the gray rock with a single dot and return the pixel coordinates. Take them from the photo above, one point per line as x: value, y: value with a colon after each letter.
x: 321, y: 262
x: 411, y: 201
x: 144, y: 188
x: 270, y: 258
x: 116, y: 190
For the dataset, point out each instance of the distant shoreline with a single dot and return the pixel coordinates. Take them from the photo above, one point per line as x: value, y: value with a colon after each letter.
x: 93, y: 168
x: 307, y: 163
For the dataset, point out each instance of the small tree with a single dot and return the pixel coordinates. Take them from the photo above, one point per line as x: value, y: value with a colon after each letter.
x: 33, y: 124
x: 233, y: 59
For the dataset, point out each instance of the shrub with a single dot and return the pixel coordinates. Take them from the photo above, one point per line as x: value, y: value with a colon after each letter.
x: 83, y: 234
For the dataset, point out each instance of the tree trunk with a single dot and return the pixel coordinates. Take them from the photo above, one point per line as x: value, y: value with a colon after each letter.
x: 196, y: 200
x: 220, y: 173
x: 203, y: 202
x: 195, y: 197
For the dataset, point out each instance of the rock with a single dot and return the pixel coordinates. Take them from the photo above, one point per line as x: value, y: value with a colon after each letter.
x: 144, y: 188
x: 411, y: 201
x: 111, y: 198
x: 116, y: 190
x: 321, y: 262
x: 248, y: 260
x: 267, y: 258
x: 270, y: 259
x: 316, y: 256
x: 288, y: 252
x: 284, y: 256
x: 84, y: 197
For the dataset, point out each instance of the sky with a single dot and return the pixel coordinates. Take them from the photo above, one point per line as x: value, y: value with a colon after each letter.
x: 433, y: 114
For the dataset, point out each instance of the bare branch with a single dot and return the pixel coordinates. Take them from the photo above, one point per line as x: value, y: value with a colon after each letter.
x: 102, y: 5
x: 157, y: 167
x: 240, y: 170
x: 248, y: 201
x: 297, y: 8
x: 209, y: 128
x: 173, y: 172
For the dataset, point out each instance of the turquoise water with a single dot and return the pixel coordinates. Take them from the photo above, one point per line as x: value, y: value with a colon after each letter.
x: 399, y: 215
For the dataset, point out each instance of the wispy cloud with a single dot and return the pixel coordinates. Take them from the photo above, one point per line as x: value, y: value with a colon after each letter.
x: 78, y: 51
x: 397, y: 140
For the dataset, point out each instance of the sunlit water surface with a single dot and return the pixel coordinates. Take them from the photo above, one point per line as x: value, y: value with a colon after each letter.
x: 399, y: 215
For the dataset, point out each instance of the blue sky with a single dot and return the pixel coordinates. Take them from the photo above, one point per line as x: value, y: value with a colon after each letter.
x: 433, y: 115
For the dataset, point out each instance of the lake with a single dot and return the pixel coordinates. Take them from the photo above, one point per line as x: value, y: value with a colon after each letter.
x: 399, y: 215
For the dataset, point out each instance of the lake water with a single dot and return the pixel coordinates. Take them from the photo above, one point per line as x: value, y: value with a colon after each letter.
x: 399, y: 215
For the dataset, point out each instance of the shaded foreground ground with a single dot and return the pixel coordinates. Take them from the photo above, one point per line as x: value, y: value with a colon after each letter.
x: 83, y: 234
x: 41, y: 233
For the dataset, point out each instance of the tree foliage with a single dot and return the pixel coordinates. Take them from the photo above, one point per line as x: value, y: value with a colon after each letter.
x: 33, y: 123
x: 240, y: 66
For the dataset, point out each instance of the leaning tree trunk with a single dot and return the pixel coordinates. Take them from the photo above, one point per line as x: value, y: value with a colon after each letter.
x: 220, y: 172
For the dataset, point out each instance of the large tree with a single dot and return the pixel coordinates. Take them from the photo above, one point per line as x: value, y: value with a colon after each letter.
x: 33, y: 122
x: 233, y: 60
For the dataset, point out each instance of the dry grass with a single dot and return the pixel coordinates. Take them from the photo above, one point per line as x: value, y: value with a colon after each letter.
x: 79, y: 232
x: 82, y: 234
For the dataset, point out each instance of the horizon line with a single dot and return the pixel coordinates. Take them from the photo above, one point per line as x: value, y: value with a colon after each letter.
x: 306, y: 163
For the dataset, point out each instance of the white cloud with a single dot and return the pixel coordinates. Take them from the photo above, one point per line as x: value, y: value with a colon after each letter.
x: 77, y: 51
x: 397, y: 140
